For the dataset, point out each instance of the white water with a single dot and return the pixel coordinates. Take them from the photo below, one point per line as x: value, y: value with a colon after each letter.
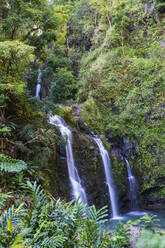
x: 109, y: 178
x: 38, y: 86
x: 76, y: 188
x: 133, y: 187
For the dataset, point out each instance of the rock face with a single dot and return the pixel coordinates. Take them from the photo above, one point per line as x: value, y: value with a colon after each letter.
x: 122, y: 146
x: 153, y: 198
x: 80, y: 121
x: 58, y: 174
x: 89, y: 167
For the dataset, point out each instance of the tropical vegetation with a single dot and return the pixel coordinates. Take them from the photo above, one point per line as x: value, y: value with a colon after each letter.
x: 107, y: 58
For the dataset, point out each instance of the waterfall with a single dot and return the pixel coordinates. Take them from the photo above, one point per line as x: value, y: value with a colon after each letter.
x: 133, y: 187
x: 76, y: 188
x: 109, y: 178
x: 38, y: 86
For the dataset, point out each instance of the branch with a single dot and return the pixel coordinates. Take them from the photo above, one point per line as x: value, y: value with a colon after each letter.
x: 12, y: 34
x: 110, y: 24
x: 31, y: 141
x: 30, y: 31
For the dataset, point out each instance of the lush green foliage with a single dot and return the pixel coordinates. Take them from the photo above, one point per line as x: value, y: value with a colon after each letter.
x: 9, y: 235
x: 122, y: 81
x: 52, y: 223
x: 121, y: 235
x: 108, y: 54
x: 149, y: 239
x: 29, y: 31
x: 11, y: 165
x: 63, y: 87
x: 149, y: 221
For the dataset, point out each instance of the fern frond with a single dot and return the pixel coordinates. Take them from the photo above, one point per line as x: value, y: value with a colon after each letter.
x: 8, y: 214
x: 15, y: 215
x: 27, y: 133
x: 99, y: 216
x: 54, y: 242
x: 3, y: 198
x: 18, y: 242
x: 37, y: 193
x: 9, y: 164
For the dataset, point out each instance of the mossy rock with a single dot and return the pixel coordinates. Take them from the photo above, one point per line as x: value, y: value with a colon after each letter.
x: 66, y: 113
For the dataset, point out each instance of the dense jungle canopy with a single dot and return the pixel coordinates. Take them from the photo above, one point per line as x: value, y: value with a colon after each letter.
x: 100, y: 65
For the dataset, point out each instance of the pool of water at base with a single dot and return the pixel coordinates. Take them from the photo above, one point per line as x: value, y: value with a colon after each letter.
x: 135, y: 215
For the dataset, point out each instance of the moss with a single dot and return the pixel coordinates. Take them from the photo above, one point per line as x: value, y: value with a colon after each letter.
x: 92, y: 116
x: 66, y: 113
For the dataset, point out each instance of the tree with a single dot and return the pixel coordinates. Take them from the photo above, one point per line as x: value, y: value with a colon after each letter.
x: 34, y: 22
x: 14, y: 58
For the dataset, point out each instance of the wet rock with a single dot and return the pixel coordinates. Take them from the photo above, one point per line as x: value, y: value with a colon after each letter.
x: 89, y: 164
x: 62, y: 152
x: 162, y: 44
x: 153, y: 198
x: 59, y: 180
x: 76, y: 112
x: 80, y: 122
x: 122, y: 146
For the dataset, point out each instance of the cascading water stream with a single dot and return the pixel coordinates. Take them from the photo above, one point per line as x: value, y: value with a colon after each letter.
x: 38, y: 86
x: 133, y: 187
x: 109, y: 177
x: 76, y: 188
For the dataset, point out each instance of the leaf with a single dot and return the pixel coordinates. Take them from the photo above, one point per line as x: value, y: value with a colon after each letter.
x: 9, y: 164
x: 9, y: 226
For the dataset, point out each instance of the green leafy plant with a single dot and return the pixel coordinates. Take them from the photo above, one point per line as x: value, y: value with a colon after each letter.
x: 92, y: 234
x: 149, y: 239
x: 9, y: 164
x: 60, y: 224
x: 9, y: 231
x: 121, y: 235
x: 37, y: 193
x: 3, y: 198
x: 63, y: 86
x: 148, y: 221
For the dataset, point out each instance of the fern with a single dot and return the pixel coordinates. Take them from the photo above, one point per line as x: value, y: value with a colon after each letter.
x: 100, y: 215
x: 4, y: 198
x: 55, y: 241
x: 9, y: 228
x: 58, y: 224
x: 37, y: 193
x: 121, y: 235
x: 148, y: 221
x: 12, y: 214
x: 27, y: 133
x: 9, y: 164
x: 18, y: 241
x: 92, y: 234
